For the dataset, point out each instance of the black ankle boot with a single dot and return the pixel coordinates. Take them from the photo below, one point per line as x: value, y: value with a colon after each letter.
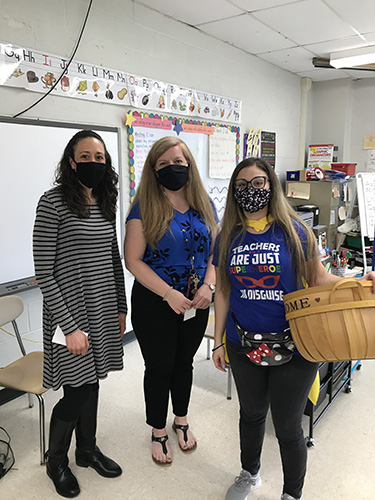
x: 93, y: 457
x: 87, y: 453
x: 60, y: 435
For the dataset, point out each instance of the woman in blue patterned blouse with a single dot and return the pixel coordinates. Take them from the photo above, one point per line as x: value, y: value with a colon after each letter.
x: 168, y: 248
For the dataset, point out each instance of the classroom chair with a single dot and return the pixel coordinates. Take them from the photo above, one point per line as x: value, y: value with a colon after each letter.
x: 26, y: 373
x: 209, y: 334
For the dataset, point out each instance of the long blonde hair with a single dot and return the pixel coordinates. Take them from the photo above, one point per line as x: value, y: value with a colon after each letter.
x: 155, y: 209
x: 234, y: 225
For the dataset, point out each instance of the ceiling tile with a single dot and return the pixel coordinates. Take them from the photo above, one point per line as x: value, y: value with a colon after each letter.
x: 194, y: 11
x: 360, y: 13
x: 369, y: 37
x: 305, y: 22
x: 295, y: 59
x: 323, y: 49
x: 251, y: 5
x: 247, y: 33
x: 360, y: 74
x: 285, y: 33
x: 321, y: 75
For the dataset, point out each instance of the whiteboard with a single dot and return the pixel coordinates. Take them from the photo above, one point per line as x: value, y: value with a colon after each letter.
x: 144, y: 137
x: 366, y: 207
x: 366, y: 203
x: 29, y: 153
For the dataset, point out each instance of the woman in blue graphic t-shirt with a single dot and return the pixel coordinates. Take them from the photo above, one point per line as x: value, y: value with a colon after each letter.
x: 264, y: 251
x: 168, y: 248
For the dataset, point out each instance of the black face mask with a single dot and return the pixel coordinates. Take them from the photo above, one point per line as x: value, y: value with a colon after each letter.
x: 173, y: 177
x: 90, y: 173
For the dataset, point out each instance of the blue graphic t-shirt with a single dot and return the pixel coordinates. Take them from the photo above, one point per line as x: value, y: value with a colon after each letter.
x: 261, y: 273
x: 171, y: 257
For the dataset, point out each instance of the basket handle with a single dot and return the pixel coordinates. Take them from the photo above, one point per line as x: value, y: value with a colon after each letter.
x: 354, y: 284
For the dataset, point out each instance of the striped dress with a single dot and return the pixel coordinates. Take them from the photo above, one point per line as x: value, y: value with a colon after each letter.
x: 79, y: 271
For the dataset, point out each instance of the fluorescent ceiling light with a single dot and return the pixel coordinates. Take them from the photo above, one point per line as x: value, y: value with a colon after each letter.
x: 352, y: 58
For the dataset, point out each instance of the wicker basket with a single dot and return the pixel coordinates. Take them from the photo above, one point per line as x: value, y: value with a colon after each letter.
x: 333, y: 322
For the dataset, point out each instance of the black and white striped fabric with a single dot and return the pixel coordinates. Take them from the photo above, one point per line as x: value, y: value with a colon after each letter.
x: 79, y: 271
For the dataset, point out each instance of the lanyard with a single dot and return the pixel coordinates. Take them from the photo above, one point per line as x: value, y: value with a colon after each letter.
x: 188, y: 242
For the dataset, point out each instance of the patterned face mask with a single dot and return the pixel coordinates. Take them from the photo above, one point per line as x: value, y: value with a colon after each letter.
x: 251, y: 199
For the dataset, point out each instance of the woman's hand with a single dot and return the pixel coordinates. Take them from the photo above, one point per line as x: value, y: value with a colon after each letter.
x: 77, y: 342
x: 122, y: 321
x: 202, y: 298
x: 218, y: 357
x: 178, y: 302
x: 369, y: 276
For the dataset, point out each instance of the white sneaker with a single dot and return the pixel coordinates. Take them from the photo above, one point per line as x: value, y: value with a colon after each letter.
x: 285, y: 496
x: 243, y: 484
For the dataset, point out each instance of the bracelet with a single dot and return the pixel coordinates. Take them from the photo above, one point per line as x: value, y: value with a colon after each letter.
x: 221, y: 345
x: 168, y: 292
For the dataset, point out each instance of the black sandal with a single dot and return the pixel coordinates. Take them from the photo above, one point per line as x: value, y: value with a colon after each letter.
x: 184, y: 429
x: 162, y: 440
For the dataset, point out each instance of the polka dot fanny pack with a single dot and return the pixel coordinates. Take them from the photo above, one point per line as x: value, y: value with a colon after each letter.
x: 266, y: 349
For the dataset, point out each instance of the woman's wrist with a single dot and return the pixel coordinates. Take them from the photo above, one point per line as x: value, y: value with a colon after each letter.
x: 218, y: 347
x: 167, y: 293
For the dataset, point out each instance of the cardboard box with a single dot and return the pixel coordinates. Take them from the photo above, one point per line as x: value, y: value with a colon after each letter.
x: 296, y: 175
x: 348, y: 168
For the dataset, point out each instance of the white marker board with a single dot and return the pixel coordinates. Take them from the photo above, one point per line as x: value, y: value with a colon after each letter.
x: 29, y: 153
x: 366, y: 202
x: 366, y: 207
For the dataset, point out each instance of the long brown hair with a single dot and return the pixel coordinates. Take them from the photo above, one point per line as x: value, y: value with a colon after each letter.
x: 234, y: 225
x: 155, y: 209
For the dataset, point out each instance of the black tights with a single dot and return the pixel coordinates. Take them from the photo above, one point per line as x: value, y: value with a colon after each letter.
x: 70, y: 406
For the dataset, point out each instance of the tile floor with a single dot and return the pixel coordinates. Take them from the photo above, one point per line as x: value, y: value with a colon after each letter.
x: 341, y: 466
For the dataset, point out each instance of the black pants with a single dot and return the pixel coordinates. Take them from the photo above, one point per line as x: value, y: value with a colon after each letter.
x: 168, y: 346
x: 285, y: 389
x: 70, y: 406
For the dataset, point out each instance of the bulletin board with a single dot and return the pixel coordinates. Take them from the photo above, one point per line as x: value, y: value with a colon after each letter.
x: 29, y: 153
x: 216, y: 154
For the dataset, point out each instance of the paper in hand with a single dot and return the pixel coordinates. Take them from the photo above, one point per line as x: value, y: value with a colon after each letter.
x: 59, y: 337
x: 190, y: 313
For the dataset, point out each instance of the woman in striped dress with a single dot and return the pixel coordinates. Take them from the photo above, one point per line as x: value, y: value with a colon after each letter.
x: 79, y: 271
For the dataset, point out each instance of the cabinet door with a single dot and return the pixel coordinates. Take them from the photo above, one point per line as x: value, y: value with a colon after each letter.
x: 325, y: 195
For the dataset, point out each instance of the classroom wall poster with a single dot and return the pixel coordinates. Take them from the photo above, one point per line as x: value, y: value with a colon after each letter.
x: 39, y: 72
x: 260, y: 144
x: 320, y: 155
x: 144, y: 129
x: 222, y: 154
x: 268, y: 147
